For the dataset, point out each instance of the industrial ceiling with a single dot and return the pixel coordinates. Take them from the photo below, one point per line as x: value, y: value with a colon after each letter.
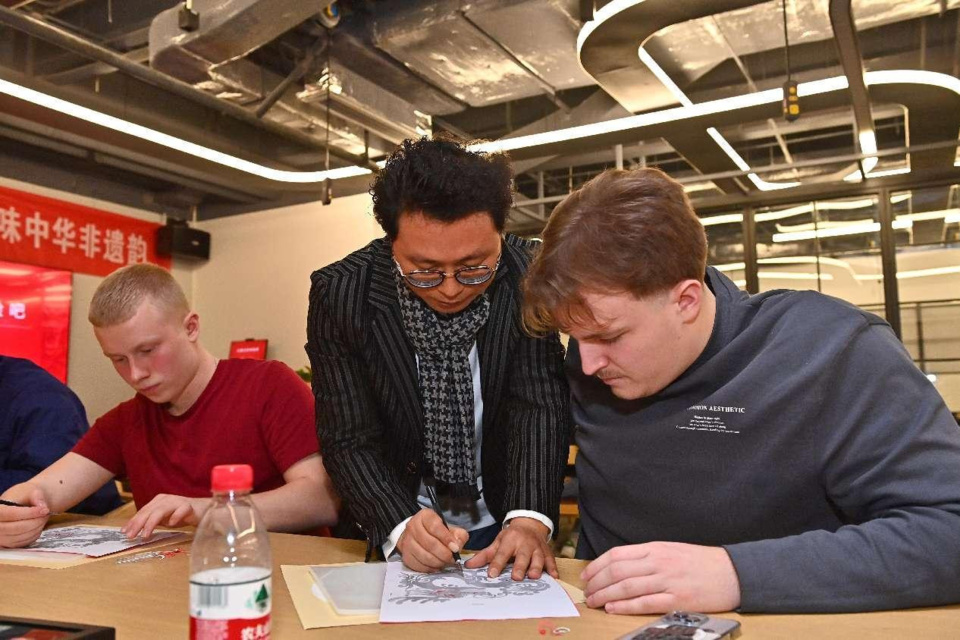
x: 259, y: 98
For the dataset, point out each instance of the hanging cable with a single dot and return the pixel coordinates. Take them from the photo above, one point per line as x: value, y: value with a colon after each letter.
x: 786, y: 38
x: 328, y: 183
x: 791, y: 101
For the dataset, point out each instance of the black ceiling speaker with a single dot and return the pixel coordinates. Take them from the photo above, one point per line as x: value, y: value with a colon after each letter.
x: 177, y: 240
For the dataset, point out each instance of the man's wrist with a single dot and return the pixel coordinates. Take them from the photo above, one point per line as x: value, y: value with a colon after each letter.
x: 394, y: 537
x: 531, y: 524
x: 531, y: 515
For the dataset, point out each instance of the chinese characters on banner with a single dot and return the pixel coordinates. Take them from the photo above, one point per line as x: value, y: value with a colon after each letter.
x: 62, y: 235
x: 35, y: 315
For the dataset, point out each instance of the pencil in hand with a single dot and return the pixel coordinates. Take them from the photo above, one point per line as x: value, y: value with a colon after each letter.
x: 10, y: 503
x: 436, y: 507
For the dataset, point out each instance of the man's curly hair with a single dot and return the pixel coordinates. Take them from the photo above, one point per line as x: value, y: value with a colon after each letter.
x: 443, y: 180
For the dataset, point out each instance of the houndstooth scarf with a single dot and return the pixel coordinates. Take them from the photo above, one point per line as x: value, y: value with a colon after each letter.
x: 443, y: 345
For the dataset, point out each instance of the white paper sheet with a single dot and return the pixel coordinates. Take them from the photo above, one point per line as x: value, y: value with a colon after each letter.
x: 409, y: 596
x: 90, y: 541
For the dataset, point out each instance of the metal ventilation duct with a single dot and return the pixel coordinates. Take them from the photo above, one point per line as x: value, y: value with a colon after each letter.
x: 229, y: 29
x: 212, y: 58
x: 484, y: 52
x: 699, y: 45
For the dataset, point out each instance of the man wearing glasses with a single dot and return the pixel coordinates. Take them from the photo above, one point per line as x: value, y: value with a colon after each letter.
x: 425, y: 380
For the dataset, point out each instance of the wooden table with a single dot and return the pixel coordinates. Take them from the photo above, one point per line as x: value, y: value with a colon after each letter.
x: 150, y: 600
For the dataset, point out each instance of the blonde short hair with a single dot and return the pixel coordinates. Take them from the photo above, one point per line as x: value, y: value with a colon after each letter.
x: 121, y: 293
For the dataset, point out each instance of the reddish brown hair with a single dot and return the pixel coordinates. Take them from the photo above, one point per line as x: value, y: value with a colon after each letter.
x: 624, y: 231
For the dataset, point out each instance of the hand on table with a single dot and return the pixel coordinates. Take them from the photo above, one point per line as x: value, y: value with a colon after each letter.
x: 168, y: 511
x: 20, y: 526
x: 427, y: 545
x: 659, y: 577
x: 524, y: 540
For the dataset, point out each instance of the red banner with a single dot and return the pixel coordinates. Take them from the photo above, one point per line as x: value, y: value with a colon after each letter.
x: 63, y: 235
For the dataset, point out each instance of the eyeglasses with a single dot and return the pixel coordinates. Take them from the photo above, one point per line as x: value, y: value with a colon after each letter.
x: 429, y: 278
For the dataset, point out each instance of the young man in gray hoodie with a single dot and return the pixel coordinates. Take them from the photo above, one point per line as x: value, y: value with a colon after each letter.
x: 773, y: 452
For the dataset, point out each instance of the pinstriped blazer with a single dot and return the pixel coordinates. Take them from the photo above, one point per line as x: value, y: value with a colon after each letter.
x: 369, y: 415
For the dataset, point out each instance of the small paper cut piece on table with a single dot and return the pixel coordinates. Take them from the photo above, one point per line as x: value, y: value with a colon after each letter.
x: 312, y: 609
x: 91, y: 541
x: 409, y: 596
x: 354, y: 589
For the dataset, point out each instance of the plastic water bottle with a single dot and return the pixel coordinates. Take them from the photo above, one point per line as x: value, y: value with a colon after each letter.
x: 230, y: 564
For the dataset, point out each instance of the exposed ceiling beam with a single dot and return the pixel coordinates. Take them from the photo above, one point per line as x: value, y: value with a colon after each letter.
x: 93, y: 69
x: 305, y: 66
x: 62, y: 38
x: 699, y: 150
x: 848, y: 46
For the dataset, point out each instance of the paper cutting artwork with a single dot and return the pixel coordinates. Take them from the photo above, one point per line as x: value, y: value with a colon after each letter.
x: 409, y: 596
x: 92, y: 541
x: 449, y: 585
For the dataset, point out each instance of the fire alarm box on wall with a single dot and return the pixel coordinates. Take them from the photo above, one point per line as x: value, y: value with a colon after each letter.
x: 249, y: 349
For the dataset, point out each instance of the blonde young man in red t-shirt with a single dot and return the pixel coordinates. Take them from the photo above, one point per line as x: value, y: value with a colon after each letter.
x: 191, y: 412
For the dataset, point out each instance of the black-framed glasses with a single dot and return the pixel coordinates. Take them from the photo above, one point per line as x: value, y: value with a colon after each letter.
x: 430, y: 278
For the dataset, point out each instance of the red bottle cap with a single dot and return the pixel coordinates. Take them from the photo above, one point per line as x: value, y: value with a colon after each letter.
x: 231, y: 477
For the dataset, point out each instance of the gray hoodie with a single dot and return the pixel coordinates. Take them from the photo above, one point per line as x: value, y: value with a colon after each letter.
x: 803, y: 440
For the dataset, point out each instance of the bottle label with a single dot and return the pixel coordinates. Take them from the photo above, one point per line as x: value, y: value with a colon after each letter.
x: 234, y: 611
x: 230, y: 629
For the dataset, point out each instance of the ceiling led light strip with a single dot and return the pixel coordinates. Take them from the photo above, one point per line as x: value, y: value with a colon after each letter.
x: 730, y: 266
x: 774, y: 275
x: 739, y: 266
x: 902, y: 275
x: 825, y: 205
x: 848, y: 230
x: 949, y: 216
x: 867, y: 139
x: 727, y: 148
x: 891, y: 172
x: 868, y: 144
x: 172, y: 142
x: 918, y: 273
x: 600, y: 16
x: 723, y: 105
x: 738, y: 160
x: 794, y: 275
x: 627, y: 123
x: 823, y: 224
x: 583, y: 132
x: 727, y: 218
x: 674, y: 114
x: 662, y: 76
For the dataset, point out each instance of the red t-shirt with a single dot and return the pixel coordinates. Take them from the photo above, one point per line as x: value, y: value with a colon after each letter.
x: 252, y: 412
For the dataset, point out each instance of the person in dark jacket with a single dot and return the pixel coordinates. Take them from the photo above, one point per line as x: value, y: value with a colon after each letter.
x: 41, y: 419
x: 423, y: 376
